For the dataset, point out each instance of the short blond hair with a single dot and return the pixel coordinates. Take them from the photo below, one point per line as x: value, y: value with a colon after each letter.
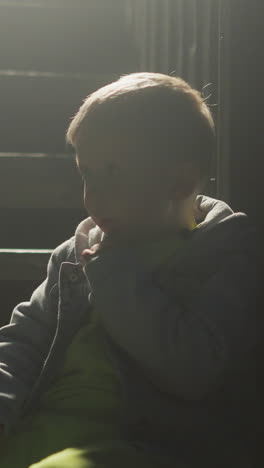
x: 162, y: 109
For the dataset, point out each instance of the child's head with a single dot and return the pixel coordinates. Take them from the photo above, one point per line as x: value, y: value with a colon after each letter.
x: 143, y: 146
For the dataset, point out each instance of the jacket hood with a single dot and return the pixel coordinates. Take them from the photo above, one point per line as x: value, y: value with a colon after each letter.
x: 219, y: 229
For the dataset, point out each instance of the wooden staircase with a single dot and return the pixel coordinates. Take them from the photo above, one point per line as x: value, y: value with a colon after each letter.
x: 53, y: 53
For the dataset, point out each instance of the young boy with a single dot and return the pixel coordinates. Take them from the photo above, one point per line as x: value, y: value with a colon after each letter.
x: 139, y: 347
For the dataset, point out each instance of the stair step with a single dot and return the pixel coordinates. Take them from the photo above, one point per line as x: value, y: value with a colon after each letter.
x: 24, y: 264
x: 66, y: 36
x: 39, y: 181
x: 36, y: 109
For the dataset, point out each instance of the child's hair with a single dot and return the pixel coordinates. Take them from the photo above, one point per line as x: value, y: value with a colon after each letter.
x: 161, y: 112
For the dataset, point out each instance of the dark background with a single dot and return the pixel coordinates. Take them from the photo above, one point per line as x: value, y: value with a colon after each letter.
x: 246, y: 104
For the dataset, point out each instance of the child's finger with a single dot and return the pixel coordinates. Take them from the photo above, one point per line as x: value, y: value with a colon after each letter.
x: 87, y: 253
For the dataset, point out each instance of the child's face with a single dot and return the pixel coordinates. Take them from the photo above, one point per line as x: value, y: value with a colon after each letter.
x: 123, y: 192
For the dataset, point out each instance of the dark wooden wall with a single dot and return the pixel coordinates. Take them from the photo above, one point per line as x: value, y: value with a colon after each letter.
x: 52, y: 55
x: 247, y: 105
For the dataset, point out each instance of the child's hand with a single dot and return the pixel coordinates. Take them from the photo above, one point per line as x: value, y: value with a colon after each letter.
x: 87, y: 254
x: 107, y: 243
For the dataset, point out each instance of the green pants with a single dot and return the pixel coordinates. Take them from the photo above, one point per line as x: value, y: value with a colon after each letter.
x: 115, y: 455
x: 78, y: 423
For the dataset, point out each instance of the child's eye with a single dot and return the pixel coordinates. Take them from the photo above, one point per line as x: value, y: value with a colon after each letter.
x: 111, y: 170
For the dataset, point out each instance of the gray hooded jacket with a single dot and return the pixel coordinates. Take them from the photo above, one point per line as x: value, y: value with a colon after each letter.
x: 183, y: 339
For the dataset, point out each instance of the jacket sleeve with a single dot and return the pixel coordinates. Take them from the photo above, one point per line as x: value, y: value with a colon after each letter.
x: 186, y: 347
x: 25, y: 342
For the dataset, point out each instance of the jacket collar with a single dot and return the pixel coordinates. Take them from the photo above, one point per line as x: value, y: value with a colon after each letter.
x: 209, y: 213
